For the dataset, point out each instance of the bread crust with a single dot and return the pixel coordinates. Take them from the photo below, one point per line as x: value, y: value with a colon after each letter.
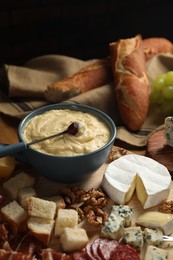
x: 153, y: 46
x: 92, y: 76
x: 131, y: 83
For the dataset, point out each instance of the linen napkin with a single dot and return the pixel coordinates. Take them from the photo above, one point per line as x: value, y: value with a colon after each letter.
x: 22, y: 90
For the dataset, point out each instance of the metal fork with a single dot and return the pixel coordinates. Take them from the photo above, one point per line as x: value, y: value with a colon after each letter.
x: 167, y: 239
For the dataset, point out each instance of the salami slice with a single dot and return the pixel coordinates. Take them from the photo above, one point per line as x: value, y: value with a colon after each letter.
x: 89, y: 251
x: 124, y: 252
x: 106, y: 247
x: 94, y: 248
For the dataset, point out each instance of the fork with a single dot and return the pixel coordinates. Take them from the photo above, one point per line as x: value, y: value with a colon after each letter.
x: 167, y: 239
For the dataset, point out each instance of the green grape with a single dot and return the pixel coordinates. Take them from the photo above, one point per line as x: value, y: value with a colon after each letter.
x: 159, y: 82
x: 167, y: 92
x: 167, y: 107
x: 156, y: 97
x: 169, y: 78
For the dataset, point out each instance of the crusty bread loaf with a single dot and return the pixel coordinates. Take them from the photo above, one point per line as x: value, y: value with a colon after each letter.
x: 41, y: 208
x: 74, y: 239
x: 41, y: 228
x: 131, y: 83
x: 15, y: 216
x: 94, y: 75
x: 19, y: 181
x: 153, y: 46
x: 24, y: 194
x: 65, y: 218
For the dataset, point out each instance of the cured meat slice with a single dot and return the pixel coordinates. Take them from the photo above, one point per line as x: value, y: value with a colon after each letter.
x: 106, y: 247
x: 89, y: 251
x: 94, y: 248
x: 81, y: 255
x: 124, y: 252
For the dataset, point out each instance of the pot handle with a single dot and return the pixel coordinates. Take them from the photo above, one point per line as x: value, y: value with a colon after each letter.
x: 12, y: 149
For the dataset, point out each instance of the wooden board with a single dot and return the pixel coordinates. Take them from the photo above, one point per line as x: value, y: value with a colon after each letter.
x: 158, y: 149
x: 45, y: 188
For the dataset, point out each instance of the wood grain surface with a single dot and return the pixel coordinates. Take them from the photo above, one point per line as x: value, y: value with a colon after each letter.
x: 158, y: 149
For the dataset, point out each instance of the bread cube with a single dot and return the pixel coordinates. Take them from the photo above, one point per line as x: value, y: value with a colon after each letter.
x: 41, y: 228
x: 73, y: 239
x: 19, y: 181
x: 65, y: 218
x: 15, y: 215
x: 41, y: 208
x: 60, y: 203
x: 24, y: 194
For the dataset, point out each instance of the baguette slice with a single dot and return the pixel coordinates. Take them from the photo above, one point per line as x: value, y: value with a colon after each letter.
x: 92, y: 76
x: 131, y: 83
x: 154, y: 46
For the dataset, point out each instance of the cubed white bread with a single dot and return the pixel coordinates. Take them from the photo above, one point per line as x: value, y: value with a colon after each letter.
x: 41, y: 228
x: 58, y: 199
x: 65, y: 218
x: 15, y: 215
x: 24, y: 194
x: 19, y: 181
x: 73, y: 239
x: 41, y: 208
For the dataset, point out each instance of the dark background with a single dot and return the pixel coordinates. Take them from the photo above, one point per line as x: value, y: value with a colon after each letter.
x: 81, y: 29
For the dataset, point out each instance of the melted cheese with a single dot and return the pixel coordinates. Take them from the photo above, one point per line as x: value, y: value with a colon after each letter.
x: 150, y: 179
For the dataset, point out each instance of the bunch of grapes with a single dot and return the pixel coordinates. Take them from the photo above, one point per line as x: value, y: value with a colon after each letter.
x: 162, y: 92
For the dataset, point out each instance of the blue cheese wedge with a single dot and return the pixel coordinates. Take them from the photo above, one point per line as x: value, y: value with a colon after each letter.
x: 131, y: 172
x: 113, y: 227
x: 134, y: 237
x: 125, y: 212
x: 153, y: 237
x: 154, y: 220
x: 155, y: 253
x: 168, y: 130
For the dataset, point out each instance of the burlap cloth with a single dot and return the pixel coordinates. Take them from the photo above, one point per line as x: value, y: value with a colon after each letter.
x: 22, y: 88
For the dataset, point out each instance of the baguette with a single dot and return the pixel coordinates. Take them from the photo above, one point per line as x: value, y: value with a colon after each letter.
x: 131, y: 83
x: 92, y: 76
x: 154, y: 46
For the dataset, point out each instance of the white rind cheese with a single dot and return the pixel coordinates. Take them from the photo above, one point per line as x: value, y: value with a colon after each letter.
x: 131, y: 172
